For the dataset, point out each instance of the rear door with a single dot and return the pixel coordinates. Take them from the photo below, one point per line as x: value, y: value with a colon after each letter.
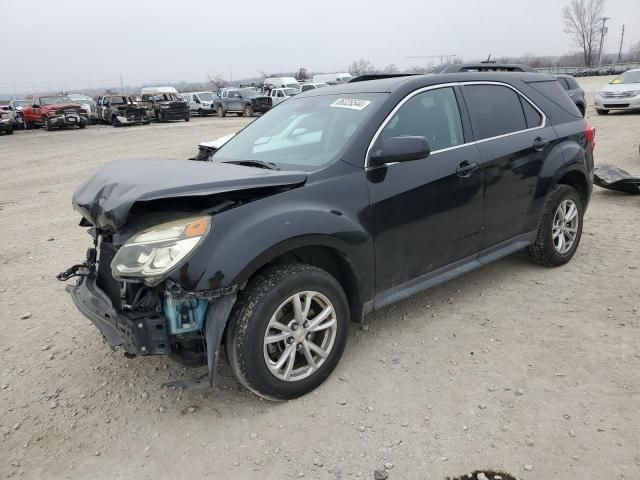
x: 513, y: 138
x: 426, y: 213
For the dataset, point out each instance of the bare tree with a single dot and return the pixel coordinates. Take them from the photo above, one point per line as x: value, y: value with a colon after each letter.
x: 302, y: 74
x: 582, y: 21
x: 217, y: 82
x: 361, y: 67
x: 391, y: 68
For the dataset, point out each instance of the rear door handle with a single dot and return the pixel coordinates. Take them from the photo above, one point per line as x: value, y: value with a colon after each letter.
x: 539, y: 143
x: 465, y: 169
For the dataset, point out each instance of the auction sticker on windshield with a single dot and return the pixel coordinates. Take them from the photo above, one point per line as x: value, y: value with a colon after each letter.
x: 352, y: 103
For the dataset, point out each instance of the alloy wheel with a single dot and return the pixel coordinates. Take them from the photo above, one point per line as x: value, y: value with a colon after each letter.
x: 300, y: 336
x: 565, y: 226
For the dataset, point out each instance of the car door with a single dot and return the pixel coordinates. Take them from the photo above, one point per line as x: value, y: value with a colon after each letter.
x: 426, y: 214
x: 514, y: 138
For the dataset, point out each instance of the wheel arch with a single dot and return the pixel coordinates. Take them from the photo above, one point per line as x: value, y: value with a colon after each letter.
x: 578, y: 180
x: 319, y: 251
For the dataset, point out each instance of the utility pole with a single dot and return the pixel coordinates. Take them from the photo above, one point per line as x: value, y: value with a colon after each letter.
x: 620, y: 49
x: 603, y: 32
x: 121, y: 85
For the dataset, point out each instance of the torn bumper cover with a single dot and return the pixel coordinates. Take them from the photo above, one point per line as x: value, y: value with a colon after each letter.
x: 147, y: 332
x: 613, y: 178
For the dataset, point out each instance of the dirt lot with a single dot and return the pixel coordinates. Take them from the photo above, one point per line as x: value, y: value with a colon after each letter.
x: 516, y: 367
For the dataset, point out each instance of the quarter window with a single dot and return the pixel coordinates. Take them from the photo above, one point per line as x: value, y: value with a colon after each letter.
x: 532, y: 116
x: 432, y: 114
x: 495, y: 110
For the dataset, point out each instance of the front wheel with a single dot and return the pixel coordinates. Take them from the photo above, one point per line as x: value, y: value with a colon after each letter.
x: 600, y: 111
x: 248, y: 111
x: 221, y: 112
x: 47, y: 125
x: 287, y: 331
x: 560, y: 230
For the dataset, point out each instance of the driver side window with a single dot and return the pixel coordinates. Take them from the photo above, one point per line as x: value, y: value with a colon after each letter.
x: 432, y: 114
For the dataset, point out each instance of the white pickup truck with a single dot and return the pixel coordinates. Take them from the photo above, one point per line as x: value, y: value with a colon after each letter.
x: 279, y: 95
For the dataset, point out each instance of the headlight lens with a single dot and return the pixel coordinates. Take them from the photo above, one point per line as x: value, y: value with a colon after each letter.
x: 155, y: 251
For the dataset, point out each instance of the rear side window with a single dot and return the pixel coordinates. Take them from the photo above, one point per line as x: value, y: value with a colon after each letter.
x: 564, y: 84
x: 554, y: 92
x: 531, y: 115
x: 495, y: 110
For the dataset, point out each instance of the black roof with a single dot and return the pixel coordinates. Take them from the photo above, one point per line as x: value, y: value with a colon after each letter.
x: 488, y: 67
x: 412, y: 82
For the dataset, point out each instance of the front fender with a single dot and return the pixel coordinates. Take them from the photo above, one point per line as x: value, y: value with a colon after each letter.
x: 330, y: 213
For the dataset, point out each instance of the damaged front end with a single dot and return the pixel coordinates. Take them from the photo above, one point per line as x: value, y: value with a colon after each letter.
x: 143, y: 283
x: 148, y: 315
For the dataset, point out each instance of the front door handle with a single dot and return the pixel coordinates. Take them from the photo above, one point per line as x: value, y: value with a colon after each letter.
x: 539, y: 143
x: 465, y: 169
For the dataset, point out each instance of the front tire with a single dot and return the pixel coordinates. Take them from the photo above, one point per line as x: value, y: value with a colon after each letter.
x: 287, y: 331
x: 601, y: 111
x: 248, y: 111
x: 560, y: 230
x: 221, y: 112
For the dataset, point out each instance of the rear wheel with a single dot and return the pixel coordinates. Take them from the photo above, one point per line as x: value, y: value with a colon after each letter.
x: 600, y: 111
x: 287, y: 331
x: 560, y: 230
x: 187, y: 118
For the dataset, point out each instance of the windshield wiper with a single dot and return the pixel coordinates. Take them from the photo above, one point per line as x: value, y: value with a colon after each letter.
x: 255, y: 163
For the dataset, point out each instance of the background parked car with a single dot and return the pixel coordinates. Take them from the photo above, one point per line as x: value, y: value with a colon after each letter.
x: 15, y: 117
x: 332, y: 78
x: 622, y: 93
x: 6, y: 121
x: 88, y: 104
x: 202, y: 103
x: 120, y: 110
x: 570, y: 84
x: 279, y: 95
x: 243, y: 101
x: 163, y: 104
x: 54, y: 111
x: 280, y: 82
x: 305, y: 87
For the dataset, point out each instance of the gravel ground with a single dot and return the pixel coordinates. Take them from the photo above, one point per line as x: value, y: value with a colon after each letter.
x: 513, y: 367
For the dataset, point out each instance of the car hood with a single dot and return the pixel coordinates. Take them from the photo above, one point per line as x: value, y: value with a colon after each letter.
x: 106, y: 199
x: 620, y: 87
x: 61, y: 106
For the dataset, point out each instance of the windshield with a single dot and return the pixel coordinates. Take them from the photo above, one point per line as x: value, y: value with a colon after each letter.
x: 248, y: 92
x: 161, y: 97
x: 20, y: 103
x: 206, y: 96
x: 302, y: 132
x: 55, y: 100
x: 294, y: 86
x: 117, y: 100
x: 290, y: 91
x: 628, y: 77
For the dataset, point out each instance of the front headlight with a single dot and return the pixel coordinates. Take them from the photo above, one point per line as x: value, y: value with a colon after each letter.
x: 632, y: 93
x: 155, y: 251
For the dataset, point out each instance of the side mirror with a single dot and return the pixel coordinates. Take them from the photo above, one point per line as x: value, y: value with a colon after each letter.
x: 399, y: 149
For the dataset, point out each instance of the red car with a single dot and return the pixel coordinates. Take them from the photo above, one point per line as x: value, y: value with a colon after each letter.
x: 54, y: 112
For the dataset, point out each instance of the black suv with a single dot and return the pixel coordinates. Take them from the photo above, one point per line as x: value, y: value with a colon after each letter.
x: 338, y: 202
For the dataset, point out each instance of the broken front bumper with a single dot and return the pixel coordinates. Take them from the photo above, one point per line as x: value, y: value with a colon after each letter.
x: 139, y: 333
x: 65, y: 120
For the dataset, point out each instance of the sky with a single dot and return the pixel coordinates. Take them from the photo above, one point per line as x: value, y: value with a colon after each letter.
x: 75, y: 44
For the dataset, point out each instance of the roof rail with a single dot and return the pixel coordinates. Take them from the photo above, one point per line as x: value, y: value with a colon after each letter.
x: 379, y: 76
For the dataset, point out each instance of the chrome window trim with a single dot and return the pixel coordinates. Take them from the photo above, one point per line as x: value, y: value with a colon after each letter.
x: 543, y: 124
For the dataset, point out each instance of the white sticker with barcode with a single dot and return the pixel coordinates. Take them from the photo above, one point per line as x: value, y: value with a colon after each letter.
x: 351, y: 103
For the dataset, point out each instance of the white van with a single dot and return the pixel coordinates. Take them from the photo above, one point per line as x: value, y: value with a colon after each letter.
x: 332, y: 78
x: 201, y: 103
x: 281, y: 82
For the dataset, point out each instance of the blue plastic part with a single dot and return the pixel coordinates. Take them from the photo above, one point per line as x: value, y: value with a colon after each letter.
x: 184, y: 316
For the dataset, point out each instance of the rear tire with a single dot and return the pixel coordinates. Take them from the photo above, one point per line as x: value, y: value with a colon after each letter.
x: 559, y: 233
x: 266, y: 311
x: 602, y: 112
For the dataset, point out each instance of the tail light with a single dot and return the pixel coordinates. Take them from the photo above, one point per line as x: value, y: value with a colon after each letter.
x: 590, y: 133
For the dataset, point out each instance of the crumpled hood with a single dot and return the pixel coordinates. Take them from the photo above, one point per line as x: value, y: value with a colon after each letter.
x: 62, y: 106
x: 106, y: 199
